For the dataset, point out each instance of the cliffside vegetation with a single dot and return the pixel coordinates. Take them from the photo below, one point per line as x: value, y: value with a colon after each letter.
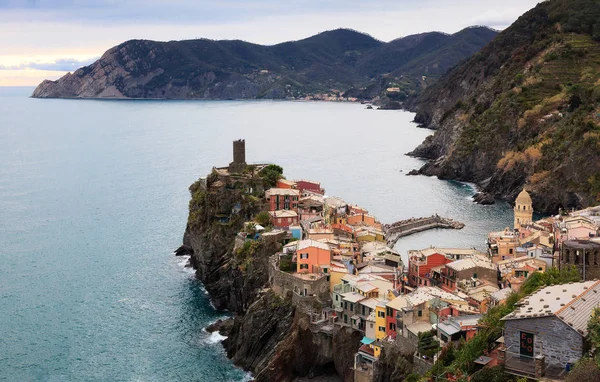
x: 460, y: 361
x: 525, y: 110
x: 331, y: 62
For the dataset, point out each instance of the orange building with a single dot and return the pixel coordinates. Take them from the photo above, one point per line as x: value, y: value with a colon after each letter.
x: 312, y: 256
x: 284, y: 183
x: 363, y: 219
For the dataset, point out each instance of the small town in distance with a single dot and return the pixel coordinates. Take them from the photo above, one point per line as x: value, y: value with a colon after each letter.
x: 335, y: 263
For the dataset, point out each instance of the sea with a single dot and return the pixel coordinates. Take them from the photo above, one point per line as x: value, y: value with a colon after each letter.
x: 93, y: 201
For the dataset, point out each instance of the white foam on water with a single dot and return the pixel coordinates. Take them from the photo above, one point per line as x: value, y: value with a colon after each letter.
x: 215, y: 338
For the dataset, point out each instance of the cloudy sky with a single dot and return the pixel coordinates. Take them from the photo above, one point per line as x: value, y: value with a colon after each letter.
x: 46, y: 38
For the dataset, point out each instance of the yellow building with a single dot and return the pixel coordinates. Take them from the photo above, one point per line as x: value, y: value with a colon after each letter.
x: 380, y: 331
x: 523, y: 209
x: 336, y: 272
x: 376, y: 346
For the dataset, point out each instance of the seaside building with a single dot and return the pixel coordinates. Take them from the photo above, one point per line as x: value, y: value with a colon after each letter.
x: 547, y: 330
x: 583, y: 254
x: 523, y: 209
x: 312, y: 256
x: 282, y: 199
x: 284, y: 218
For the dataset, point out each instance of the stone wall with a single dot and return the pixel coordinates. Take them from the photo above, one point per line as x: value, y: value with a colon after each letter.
x: 282, y: 283
x: 554, y: 339
x: 421, y: 366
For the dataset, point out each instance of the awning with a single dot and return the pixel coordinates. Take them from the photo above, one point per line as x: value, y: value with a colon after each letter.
x: 367, y: 341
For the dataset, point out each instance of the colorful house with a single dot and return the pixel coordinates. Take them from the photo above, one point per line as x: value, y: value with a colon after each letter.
x: 312, y: 256
x: 284, y: 183
x: 380, y: 321
x: 282, y: 199
x: 419, y: 267
x: 304, y: 185
x: 284, y: 218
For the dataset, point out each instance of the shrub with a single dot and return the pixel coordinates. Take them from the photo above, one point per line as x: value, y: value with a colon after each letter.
x: 263, y: 218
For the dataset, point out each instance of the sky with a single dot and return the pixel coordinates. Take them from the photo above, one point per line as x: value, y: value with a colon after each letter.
x: 44, y: 39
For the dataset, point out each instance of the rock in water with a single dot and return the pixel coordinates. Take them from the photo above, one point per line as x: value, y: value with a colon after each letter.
x: 484, y: 198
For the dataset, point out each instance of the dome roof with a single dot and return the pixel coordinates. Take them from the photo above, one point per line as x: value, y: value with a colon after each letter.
x: 524, y: 198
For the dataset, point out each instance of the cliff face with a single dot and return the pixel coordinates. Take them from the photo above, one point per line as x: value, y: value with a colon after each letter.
x: 206, y: 69
x: 269, y: 336
x: 275, y: 341
x: 524, y: 110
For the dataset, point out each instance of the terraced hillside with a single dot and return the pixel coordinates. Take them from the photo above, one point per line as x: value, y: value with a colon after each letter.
x: 525, y: 110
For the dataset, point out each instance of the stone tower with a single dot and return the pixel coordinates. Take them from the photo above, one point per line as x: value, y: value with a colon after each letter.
x: 523, y: 209
x: 239, y: 157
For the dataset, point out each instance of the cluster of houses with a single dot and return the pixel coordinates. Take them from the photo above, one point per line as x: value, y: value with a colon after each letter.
x: 339, y: 257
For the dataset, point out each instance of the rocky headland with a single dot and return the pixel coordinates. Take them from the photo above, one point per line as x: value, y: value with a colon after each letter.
x: 523, y: 112
x: 334, y: 65
x: 267, y: 334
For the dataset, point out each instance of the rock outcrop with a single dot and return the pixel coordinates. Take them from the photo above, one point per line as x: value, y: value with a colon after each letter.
x: 523, y: 111
x: 268, y: 335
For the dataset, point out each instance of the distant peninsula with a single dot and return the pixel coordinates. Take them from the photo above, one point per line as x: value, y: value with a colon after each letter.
x: 340, y: 64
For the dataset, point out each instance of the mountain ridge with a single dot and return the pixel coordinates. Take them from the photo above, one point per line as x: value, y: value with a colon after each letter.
x: 329, y: 62
x: 524, y: 111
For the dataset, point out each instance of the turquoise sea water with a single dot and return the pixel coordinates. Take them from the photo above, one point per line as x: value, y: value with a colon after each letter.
x: 93, y: 200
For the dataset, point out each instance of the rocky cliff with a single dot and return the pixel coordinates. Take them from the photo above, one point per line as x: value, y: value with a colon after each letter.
x: 524, y: 111
x: 330, y: 62
x: 269, y: 336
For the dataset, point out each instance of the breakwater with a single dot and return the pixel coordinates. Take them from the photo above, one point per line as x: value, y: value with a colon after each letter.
x: 413, y: 225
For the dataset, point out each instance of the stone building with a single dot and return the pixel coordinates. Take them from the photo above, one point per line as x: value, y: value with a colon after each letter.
x: 547, y: 330
x: 584, y: 254
x: 523, y: 209
x: 239, y: 157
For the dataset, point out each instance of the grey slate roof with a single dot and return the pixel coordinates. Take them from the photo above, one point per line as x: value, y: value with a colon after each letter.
x: 572, y: 303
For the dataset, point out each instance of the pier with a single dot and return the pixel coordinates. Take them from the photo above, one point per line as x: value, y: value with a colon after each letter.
x: 413, y: 225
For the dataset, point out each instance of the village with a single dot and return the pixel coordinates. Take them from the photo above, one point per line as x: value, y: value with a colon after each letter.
x: 338, y: 263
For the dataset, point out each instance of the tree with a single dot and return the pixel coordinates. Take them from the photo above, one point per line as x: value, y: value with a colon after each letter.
x: 585, y: 370
x: 593, y: 336
x: 271, y: 174
x: 263, y: 218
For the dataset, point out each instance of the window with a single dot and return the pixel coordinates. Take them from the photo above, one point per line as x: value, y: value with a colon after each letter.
x: 510, y: 251
x: 279, y: 220
x: 336, y: 297
x: 345, y: 318
x: 352, y: 307
x: 381, y: 314
x: 382, y: 328
x: 346, y: 305
x: 392, y: 326
x: 474, y: 275
x: 303, y: 266
x: 371, y: 325
x: 420, y: 313
x: 389, y: 311
x: 304, y: 255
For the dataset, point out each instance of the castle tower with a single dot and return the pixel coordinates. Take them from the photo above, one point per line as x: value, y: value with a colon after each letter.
x: 523, y: 209
x: 239, y: 157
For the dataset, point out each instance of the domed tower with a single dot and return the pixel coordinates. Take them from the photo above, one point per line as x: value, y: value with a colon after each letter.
x: 523, y: 209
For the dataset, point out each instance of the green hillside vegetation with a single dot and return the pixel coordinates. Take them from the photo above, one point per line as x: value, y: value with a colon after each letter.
x: 460, y: 361
x: 531, y: 114
x: 331, y: 62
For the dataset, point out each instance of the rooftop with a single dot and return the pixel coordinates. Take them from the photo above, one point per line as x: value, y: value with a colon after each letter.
x: 572, y: 303
x: 303, y: 244
x: 283, y: 214
x: 471, y: 262
x: 353, y: 297
x: 282, y: 191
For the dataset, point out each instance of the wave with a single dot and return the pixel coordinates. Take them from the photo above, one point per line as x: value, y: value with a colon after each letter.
x: 215, y: 338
